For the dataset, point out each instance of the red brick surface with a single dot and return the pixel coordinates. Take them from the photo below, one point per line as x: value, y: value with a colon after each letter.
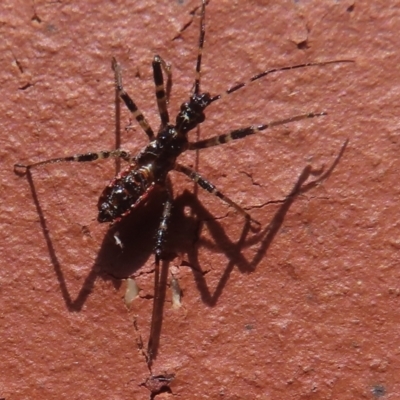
x: 306, y: 310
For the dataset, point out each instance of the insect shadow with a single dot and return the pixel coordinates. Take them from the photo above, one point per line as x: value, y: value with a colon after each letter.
x: 149, y: 169
x: 264, y: 238
x: 220, y: 241
x: 136, y: 231
x: 111, y: 263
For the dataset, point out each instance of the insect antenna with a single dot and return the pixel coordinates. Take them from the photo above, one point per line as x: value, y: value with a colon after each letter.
x: 200, y: 48
x: 270, y: 71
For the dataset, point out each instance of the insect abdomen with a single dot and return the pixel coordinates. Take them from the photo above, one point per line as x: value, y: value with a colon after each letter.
x: 123, y: 193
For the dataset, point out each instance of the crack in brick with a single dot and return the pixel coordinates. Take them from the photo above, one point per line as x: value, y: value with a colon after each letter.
x: 253, y: 182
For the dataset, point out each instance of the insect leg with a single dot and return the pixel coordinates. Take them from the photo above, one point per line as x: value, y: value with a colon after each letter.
x: 159, y: 275
x: 101, y: 155
x: 162, y: 93
x: 250, y: 130
x: 197, y: 178
x: 136, y: 113
x: 162, y: 228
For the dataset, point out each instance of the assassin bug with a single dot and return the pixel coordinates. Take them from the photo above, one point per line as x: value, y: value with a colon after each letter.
x: 150, y: 167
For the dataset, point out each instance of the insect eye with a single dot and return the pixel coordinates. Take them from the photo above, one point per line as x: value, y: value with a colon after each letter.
x: 184, y: 106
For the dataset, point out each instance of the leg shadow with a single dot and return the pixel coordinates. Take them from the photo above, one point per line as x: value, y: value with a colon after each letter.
x: 136, y: 232
x: 233, y: 250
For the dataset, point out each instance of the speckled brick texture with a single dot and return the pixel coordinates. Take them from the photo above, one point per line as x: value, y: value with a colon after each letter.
x: 305, y: 308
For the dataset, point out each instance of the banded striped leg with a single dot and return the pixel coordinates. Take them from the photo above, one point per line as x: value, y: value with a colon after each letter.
x: 203, y: 183
x: 86, y: 157
x: 251, y: 130
x: 162, y: 228
x: 162, y: 93
x: 200, y: 48
x: 136, y: 113
x: 160, y: 276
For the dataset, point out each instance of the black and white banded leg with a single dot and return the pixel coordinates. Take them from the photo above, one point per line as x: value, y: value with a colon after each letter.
x: 162, y: 93
x: 205, y: 184
x: 85, y: 157
x: 250, y: 130
x: 163, y: 227
x: 136, y: 113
